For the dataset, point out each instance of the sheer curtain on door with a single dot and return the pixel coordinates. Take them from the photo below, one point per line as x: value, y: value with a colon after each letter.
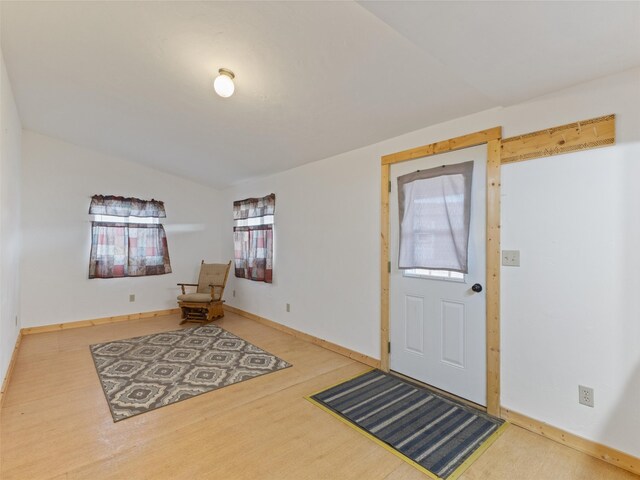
x: 435, y: 210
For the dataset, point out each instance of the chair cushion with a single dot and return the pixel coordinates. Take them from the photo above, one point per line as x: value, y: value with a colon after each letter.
x: 195, y: 297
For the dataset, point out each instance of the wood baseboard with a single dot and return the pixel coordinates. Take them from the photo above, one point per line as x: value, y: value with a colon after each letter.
x: 594, y: 449
x: 360, y: 357
x: 12, y: 363
x: 97, y: 321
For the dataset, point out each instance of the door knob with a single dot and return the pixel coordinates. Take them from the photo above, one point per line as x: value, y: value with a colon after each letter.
x: 477, y: 288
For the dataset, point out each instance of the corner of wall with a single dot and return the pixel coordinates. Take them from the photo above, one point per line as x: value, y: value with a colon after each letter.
x: 10, y: 219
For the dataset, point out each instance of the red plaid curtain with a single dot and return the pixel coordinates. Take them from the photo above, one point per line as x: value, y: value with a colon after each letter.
x: 123, y: 248
x: 128, y: 250
x: 253, y: 238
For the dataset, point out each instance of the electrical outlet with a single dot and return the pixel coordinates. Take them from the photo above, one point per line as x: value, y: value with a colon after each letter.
x: 234, y: 293
x: 132, y: 297
x: 511, y: 258
x: 585, y: 395
x: 16, y: 320
x: 288, y: 307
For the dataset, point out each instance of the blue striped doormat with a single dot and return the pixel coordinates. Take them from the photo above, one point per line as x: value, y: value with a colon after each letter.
x: 437, y: 435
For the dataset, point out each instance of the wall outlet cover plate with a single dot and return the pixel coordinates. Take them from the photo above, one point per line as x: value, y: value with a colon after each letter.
x: 585, y: 395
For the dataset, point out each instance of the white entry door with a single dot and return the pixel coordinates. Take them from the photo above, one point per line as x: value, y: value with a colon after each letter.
x: 437, y: 323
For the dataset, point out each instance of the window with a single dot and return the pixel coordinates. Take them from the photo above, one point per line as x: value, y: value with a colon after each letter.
x: 253, y: 220
x: 438, y: 274
x: 435, y: 209
x: 127, y: 238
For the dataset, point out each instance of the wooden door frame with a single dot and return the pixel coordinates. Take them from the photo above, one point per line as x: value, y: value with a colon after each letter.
x: 492, y: 138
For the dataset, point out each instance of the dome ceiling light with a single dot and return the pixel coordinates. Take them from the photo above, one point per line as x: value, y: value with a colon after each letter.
x: 223, y: 84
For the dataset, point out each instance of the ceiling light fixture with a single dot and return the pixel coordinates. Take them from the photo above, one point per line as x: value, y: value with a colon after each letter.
x: 223, y: 84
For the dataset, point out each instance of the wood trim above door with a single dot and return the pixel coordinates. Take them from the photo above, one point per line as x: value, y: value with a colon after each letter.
x: 457, y: 143
x: 492, y: 138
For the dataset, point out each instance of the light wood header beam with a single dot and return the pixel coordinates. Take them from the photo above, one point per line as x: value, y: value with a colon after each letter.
x: 457, y: 143
x: 584, y: 135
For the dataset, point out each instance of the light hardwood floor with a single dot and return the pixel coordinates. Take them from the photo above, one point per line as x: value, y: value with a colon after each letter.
x: 55, y: 423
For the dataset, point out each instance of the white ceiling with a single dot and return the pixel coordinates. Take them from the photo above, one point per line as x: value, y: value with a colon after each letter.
x: 313, y: 79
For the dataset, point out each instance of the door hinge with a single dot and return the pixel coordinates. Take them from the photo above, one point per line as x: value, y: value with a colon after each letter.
x: 389, y: 185
x: 389, y: 267
x: 388, y: 347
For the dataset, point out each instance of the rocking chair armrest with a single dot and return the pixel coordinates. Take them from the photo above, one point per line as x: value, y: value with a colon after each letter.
x: 213, y: 291
x: 182, y: 285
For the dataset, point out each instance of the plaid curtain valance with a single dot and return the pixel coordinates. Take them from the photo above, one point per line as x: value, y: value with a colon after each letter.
x: 254, y: 207
x: 126, y: 206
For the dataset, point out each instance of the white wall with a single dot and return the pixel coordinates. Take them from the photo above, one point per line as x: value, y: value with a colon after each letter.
x: 58, y: 181
x: 326, y: 239
x: 11, y: 130
x: 569, y: 313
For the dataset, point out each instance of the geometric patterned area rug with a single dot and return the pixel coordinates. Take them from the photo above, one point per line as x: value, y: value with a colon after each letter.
x: 144, y: 373
x: 435, y: 434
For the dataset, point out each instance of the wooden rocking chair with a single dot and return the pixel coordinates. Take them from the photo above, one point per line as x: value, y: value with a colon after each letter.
x: 206, y: 304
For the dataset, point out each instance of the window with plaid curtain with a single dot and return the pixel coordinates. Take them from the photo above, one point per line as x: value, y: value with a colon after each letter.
x: 253, y: 238
x: 127, y: 239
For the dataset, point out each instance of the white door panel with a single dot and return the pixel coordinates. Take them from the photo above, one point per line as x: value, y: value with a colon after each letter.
x: 414, y: 324
x: 437, y: 326
x: 452, y: 333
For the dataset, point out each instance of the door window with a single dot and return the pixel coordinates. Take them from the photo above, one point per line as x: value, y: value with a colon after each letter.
x: 434, y: 218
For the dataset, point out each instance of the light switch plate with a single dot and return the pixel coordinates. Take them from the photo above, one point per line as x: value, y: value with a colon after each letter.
x: 511, y: 258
